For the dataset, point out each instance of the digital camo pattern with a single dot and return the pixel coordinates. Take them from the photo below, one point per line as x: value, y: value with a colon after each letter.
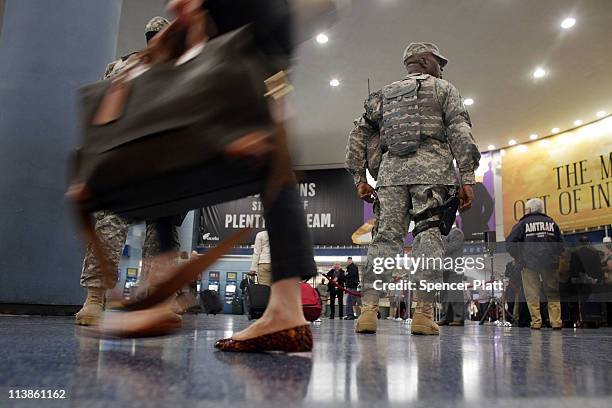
x: 432, y: 164
x: 156, y: 24
x: 398, y: 204
x: 401, y: 123
x: 116, y: 67
x: 152, y: 248
x: 363, y: 147
x: 112, y: 231
x: 422, y: 48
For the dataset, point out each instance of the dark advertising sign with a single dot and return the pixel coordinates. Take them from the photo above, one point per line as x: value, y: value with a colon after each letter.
x: 333, y: 211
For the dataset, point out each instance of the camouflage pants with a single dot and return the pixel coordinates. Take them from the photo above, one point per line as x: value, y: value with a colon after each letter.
x: 376, y: 211
x: 112, y: 231
x: 398, y: 204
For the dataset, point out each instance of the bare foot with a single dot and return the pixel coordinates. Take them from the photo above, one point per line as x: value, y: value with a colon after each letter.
x: 273, y: 320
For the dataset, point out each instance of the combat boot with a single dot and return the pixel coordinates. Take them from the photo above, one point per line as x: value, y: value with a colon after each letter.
x: 422, y: 322
x: 92, y: 309
x: 367, y: 322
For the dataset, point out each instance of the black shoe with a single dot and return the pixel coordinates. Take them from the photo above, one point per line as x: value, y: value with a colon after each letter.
x: 349, y: 318
x: 331, y: 317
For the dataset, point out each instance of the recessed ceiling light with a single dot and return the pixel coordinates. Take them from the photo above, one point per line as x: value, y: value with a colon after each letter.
x: 468, y: 102
x: 577, y: 122
x: 601, y: 113
x: 491, y: 147
x: 555, y: 130
x: 512, y: 142
x: 533, y: 136
x: 322, y: 38
x: 568, y: 23
x: 334, y: 82
x: 539, y: 73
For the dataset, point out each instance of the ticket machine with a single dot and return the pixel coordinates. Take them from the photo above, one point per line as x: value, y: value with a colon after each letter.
x: 213, y: 281
x: 231, y: 286
x: 131, y: 277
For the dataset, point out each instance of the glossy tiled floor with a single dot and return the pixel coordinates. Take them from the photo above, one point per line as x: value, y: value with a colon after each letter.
x: 469, y: 366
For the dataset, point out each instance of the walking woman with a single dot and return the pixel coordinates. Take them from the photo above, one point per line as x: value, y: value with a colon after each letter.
x: 282, y: 327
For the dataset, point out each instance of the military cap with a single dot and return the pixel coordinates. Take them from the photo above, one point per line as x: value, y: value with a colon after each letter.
x: 156, y: 24
x: 423, y: 47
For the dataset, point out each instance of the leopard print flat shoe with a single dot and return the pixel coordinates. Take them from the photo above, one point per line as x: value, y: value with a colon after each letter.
x: 294, y: 340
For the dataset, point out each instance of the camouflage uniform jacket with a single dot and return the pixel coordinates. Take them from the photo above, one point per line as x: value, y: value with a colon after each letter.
x: 432, y: 164
x: 114, y: 68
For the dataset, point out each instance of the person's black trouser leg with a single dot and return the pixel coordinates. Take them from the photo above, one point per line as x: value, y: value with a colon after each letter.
x: 290, y: 241
x: 332, y: 303
x: 340, y: 303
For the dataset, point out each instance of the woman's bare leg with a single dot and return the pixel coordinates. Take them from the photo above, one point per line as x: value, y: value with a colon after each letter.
x: 284, y: 311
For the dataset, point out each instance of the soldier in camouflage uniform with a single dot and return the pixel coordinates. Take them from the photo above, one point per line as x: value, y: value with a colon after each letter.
x: 422, y: 125
x: 111, y: 228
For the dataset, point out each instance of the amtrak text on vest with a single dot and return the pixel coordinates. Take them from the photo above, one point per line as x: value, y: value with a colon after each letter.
x: 540, y: 227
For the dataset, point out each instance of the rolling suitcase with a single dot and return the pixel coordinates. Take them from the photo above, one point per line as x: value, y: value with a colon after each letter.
x: 256, y: 299
x: 311, y: 302
x: 210, y: 301
x: 237, y: 308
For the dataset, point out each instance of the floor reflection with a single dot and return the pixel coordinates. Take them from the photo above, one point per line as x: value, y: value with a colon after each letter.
x: 465, y: 365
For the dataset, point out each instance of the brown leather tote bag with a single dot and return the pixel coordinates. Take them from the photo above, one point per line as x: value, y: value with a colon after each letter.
x: 160, y: 153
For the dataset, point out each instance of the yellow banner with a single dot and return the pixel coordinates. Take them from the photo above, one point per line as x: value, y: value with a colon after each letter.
x: 571, y: 172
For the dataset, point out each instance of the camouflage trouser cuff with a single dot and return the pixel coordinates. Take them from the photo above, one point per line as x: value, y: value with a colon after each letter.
x: 370, y: 296
x: 424, y: 296
x: 97, y: 284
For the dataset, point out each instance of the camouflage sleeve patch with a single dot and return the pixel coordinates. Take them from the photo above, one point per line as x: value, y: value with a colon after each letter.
x: 459, y: 131
x: 362, y: 149
x: 373, y: 108
x: 356, y: 150
x: 109, y: 70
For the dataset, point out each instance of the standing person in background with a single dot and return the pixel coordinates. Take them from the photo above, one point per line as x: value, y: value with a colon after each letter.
x: 113, y: 229
x: 515, y: 295
x: 261, y: 261
x: 586, y: 261
x: 473, y: 310
x: 324, y: 295
x: 587, y: 272
x: 352, y: 283
x: 536, y: 244
x: 338, y: 276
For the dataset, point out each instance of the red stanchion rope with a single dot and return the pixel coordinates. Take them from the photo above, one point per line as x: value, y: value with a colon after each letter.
x: 342, y: 288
